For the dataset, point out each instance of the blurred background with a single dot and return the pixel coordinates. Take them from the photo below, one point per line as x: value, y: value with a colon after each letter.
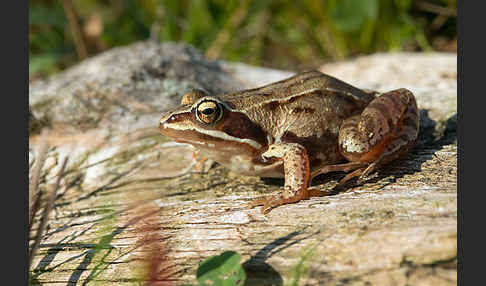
x: 292, y: 35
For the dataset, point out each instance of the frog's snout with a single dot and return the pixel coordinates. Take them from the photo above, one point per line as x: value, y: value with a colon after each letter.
x: 167, y: 122
x: 163, y: 124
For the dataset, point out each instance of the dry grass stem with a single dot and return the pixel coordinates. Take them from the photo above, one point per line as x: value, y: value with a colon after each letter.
x: 34, y: 195
x: 51, y: 196
x: 79, y: 41
x: 156, y: 250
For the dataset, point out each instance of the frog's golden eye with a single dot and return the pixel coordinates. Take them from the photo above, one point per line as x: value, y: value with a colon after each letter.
x: 209, y: 111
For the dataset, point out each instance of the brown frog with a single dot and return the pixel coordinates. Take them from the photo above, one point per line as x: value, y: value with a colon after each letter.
x: 297, y: 128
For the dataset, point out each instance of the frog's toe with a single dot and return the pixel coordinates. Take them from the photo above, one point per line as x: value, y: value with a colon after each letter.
x: 263, y: 201
x: 257, y: 202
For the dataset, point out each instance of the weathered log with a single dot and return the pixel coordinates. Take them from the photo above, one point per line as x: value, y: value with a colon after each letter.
x: 129, y: 200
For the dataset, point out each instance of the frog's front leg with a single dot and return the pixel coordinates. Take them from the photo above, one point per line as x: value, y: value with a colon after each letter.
x: 297, y: 176
x: 201, y: 164
x: 385, y: 130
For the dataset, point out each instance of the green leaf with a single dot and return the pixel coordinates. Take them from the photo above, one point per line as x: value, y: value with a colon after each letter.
x: 224, y: 269
x: 349, y: 15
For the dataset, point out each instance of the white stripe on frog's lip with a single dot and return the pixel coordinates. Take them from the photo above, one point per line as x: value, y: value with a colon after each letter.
x: 212, y: 133
x: 194, y: 142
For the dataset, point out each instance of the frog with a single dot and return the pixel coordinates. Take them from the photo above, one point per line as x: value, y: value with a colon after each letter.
x: 297, y: 129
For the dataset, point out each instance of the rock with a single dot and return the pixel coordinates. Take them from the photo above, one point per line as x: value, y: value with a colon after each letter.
x: 129, y: 198
x: 127, y: 87
x: 432, y: 77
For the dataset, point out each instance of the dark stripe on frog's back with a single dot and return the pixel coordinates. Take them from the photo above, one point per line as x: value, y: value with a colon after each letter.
x: 297, y: 84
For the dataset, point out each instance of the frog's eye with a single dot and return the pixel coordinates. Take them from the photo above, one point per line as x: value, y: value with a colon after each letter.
x: 209, y: 111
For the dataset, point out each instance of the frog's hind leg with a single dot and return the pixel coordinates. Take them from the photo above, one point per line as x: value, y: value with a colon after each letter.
x: 385, y: 130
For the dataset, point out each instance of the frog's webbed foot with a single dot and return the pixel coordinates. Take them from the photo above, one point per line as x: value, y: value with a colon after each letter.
x: 283, y: 197
x: 275, y: 199
x: 346, y: 167
x: 360, y: 173
x: 357, y: 167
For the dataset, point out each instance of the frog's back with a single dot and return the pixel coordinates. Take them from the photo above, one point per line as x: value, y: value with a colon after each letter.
x: 294, y: 86
x: 307, y: 104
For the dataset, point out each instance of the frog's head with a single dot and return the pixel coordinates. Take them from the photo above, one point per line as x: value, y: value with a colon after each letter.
x: 208, y: 122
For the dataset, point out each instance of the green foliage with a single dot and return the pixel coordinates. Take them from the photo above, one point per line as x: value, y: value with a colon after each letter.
x: 277, y: 33
x: 221, y: 270
x: 48, y: 48
x: 351, y: 15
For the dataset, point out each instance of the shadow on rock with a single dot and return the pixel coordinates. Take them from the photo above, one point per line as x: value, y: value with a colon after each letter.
x: 258, y: 271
